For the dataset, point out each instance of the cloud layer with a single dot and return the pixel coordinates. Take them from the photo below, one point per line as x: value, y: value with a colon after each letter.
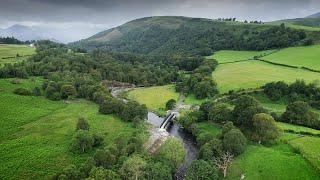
x: 109, y: 13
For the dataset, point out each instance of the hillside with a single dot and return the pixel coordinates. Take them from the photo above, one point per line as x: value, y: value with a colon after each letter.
x: 308, y: 23
x: 316, y: 15
x: 193, y: 36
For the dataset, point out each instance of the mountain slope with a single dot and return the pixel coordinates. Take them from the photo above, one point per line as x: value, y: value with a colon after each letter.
x: 316, y: 15
x: 193, y: 36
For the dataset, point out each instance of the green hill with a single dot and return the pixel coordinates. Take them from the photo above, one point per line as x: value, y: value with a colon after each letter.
x: 310, y: 24
x: 191, y: 36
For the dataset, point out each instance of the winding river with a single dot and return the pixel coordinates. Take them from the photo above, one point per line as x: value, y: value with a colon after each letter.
x: 188, y: 140
x: 174, y: 130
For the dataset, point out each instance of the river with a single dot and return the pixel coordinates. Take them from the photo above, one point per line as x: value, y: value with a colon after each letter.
x: 188, y: 140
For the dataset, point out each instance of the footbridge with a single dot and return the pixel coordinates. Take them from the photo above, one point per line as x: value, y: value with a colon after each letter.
x: 168, y: 120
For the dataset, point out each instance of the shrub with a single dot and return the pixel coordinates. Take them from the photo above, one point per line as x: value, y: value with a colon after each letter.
x: 133, y: 168
x: 37, y: 91
x: 234, y: 142
x: 82, y: 124
x: 67, y: 91
x: 101, y: 173
x: 210, y: 150
x: 82, y: 141
x: 22, y: 91
x: 201, y: 169
x: 171, y: 104
x: 97, y: 140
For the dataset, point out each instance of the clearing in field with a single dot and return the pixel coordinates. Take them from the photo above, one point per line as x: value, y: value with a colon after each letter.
x: 276, y: 162
x: 36, y: 133
x: 10, y: 53
x: 254, y: 74
x: 306, y: 56
x: 228, y: 56
x: 155, y: 98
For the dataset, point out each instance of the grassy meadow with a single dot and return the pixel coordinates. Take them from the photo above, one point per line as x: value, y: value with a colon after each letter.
x: 36, y: 133
x: 253, y: 74
x: 228, y: 56
x: 155, y: 98
x: 306, y: 56
x: 8, y: 53
x: 309, y: 148
x: 275, y: 162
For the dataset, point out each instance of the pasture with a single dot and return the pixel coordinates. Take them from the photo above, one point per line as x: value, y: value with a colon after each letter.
x: 254, y: 74
x: 276, y: 162
x: 36, y: 133
x: 306, y: 56
x: 155, y: 98
x: 228, y: 56
x: 309, y: 148
x: 9, y: 52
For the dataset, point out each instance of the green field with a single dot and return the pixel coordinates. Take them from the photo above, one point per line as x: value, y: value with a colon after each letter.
x: 36, y: 133
x: 227, y: 56
x: 192, y: 100
x: 276, y: 162
x: 297, y: 129
x: 309, y: 147
x: 253, y: 74
x: 155, y: 98
x: 8, y: 53
x: 294, y: 26
x: 306, y: 56
x: 206, y: 127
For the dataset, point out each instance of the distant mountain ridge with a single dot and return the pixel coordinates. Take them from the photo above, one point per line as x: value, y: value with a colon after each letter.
x: 316, y: 15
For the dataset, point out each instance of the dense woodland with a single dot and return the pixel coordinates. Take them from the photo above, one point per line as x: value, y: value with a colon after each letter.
x: 194, y: 37
x: 12, y: 40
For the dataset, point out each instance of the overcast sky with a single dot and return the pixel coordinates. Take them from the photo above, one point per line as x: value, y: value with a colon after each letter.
x: 94, y: 15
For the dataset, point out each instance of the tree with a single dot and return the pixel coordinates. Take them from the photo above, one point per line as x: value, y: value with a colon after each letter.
x: 173, y: 152
x: 201, y: 169
x: 245, y: 108
x: 82, y: 124
x: 234, y: 142
x: 220, y: 113
x: 224, y: 162
x: 82, y: 141
x: 97, y: 140
x: 300, y: 113
x: 99, y: 173
x: 105, y: 158
x: 264, y: 128
x: 133, y: 168
x: 67, y: 91
x: 171, y: 104
x: 211, y: 149
x: 205, y: 88
x: 158, y: 171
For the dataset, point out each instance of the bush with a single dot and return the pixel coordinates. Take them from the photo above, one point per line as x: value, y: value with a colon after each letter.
x: 22, y: 91
x: 234, y: 142
x: 158, y: 171
x: 171, y: 104
x: 82, y: 141
x: 37, y: 91
x: 67, y: 91
x: 101, y: 173
x: 105, y: 158
x: 82, y: 124
x: 97, y: 140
